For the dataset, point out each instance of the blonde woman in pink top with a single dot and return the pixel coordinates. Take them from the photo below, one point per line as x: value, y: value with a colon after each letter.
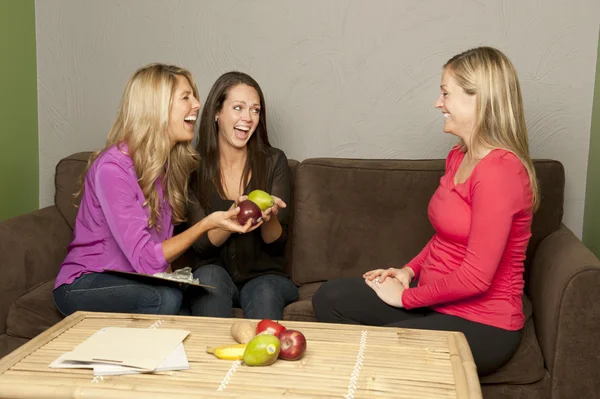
x: 133, y: 192
x: 469, y: 277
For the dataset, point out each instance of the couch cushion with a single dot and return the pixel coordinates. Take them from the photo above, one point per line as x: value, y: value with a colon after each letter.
x: 32, y: 247
x: 527, y: 364
x: 33, y: 313
x: 66, y: 183
x: 307, y: 291
x: 302, y: 309
x: 299, y: 311
x: 354, y: 215
x: 9, y: 344
x: 538, y: 390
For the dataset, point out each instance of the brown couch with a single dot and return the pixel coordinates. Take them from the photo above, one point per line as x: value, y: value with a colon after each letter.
x: 350, y: 216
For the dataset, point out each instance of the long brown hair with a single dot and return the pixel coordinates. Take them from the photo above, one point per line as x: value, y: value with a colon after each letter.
x: 142, y: 123
x: 500, y: 118
x: 208, y: 175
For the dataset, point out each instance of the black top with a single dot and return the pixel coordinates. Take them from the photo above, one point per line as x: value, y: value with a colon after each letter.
x: 246, y: 256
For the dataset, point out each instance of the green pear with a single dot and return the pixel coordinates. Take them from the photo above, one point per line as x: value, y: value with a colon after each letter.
x: 262, y: 350
x: 262, y: 199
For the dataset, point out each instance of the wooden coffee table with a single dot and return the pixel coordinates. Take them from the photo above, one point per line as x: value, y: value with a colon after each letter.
x: 341, y: 361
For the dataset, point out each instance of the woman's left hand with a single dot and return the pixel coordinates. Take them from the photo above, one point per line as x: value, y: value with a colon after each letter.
x: 274, y: 210
x: 390, y: 291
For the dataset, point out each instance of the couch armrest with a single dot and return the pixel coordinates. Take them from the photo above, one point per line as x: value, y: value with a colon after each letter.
x: 564, y: 288
x: 32, y: 247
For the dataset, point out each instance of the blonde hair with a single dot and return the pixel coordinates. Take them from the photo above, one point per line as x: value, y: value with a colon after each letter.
x: 142, y: 123
x: 500, y: 118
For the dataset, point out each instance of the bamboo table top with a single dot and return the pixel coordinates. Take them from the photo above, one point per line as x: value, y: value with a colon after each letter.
x: 340, y: 361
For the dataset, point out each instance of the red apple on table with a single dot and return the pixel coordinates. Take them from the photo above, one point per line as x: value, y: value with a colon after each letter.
x: 292, y: 345
x: 267, y: 326
x: 249, y: 210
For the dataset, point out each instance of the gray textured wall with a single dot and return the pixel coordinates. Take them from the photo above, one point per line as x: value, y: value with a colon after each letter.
x: 342, y: 78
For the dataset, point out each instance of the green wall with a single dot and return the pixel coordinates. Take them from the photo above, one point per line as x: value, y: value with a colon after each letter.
x: 591, y: 221
x: 19, y: 185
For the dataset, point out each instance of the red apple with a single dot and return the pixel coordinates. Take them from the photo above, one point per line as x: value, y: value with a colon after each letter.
x: 267, y: 326
x: 249, y: 210
x: 293, y: 345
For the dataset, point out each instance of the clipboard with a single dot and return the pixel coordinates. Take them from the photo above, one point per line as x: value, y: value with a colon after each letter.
x: 180, y: 276
x: 142, y: 348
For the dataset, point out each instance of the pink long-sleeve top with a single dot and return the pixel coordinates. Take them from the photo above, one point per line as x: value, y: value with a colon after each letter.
x: 111, y: 229
x: 473, y: 265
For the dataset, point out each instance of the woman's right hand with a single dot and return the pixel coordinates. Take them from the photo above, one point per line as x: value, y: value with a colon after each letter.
x: 404, y: 275
x: 227, y: 220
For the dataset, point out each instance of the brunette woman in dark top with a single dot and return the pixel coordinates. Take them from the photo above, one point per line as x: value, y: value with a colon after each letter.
x: 235, y: 159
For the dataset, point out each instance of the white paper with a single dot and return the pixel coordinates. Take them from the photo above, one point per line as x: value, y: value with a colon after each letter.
x: 177, y: 360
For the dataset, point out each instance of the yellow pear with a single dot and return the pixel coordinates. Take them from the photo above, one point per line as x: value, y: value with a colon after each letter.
x: 262, y: 350
x: 262, y: 199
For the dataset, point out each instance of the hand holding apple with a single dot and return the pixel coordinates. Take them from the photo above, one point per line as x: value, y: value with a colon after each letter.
x: 249, y: 211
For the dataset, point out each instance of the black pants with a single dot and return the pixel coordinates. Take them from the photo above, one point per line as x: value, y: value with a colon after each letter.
x: 352, y: 301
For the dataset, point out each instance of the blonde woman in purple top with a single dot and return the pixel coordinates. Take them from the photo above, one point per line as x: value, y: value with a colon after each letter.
x: 133, y: 191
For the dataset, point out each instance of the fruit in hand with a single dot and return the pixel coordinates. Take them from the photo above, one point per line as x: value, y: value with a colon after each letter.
x: 228, y: 352
x: 262, y: 350
x: 267, y: 326
x: 262, y: 199
x: 243, y: 331
x: 293, y: 345
x: 249, y: 210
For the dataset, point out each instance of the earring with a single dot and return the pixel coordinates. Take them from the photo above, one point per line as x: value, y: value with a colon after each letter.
x: 216, y: 118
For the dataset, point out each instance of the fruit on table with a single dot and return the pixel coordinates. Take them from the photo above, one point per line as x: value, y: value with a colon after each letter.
x: 267, y: 326
x: 293, y: 345
x: 243, y: 331
x: 262, y: 199
x: 262, y: 350
x: 228, y: 352
x: 249, y: 210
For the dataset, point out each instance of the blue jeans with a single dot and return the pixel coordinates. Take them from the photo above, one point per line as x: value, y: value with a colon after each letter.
x: 263, y: 297
x: 105, y: 292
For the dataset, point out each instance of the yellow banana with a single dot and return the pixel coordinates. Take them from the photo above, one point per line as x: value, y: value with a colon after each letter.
x: 228, y: 352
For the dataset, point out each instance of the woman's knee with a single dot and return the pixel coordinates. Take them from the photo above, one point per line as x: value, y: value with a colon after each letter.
x: 260, y: 292
x: 270, y: 288
x: 213, y: 275
x: 60, y: 302
x: 170, y: 300
x: 333, y: 291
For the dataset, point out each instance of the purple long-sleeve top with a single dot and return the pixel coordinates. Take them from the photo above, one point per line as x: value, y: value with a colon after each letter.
x: 111, y: 230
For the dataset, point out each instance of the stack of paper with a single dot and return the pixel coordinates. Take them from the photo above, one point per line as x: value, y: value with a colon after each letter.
x: 117, y: 351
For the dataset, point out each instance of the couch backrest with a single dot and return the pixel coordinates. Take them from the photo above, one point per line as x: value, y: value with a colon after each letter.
x: 66, y: 183
x: 355, y: 215
x: 348, y: 216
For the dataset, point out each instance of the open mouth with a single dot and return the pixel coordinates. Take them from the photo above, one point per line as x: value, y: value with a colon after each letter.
x: 241, y: 132
x: 190, y: 120
x: 446, y: 115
